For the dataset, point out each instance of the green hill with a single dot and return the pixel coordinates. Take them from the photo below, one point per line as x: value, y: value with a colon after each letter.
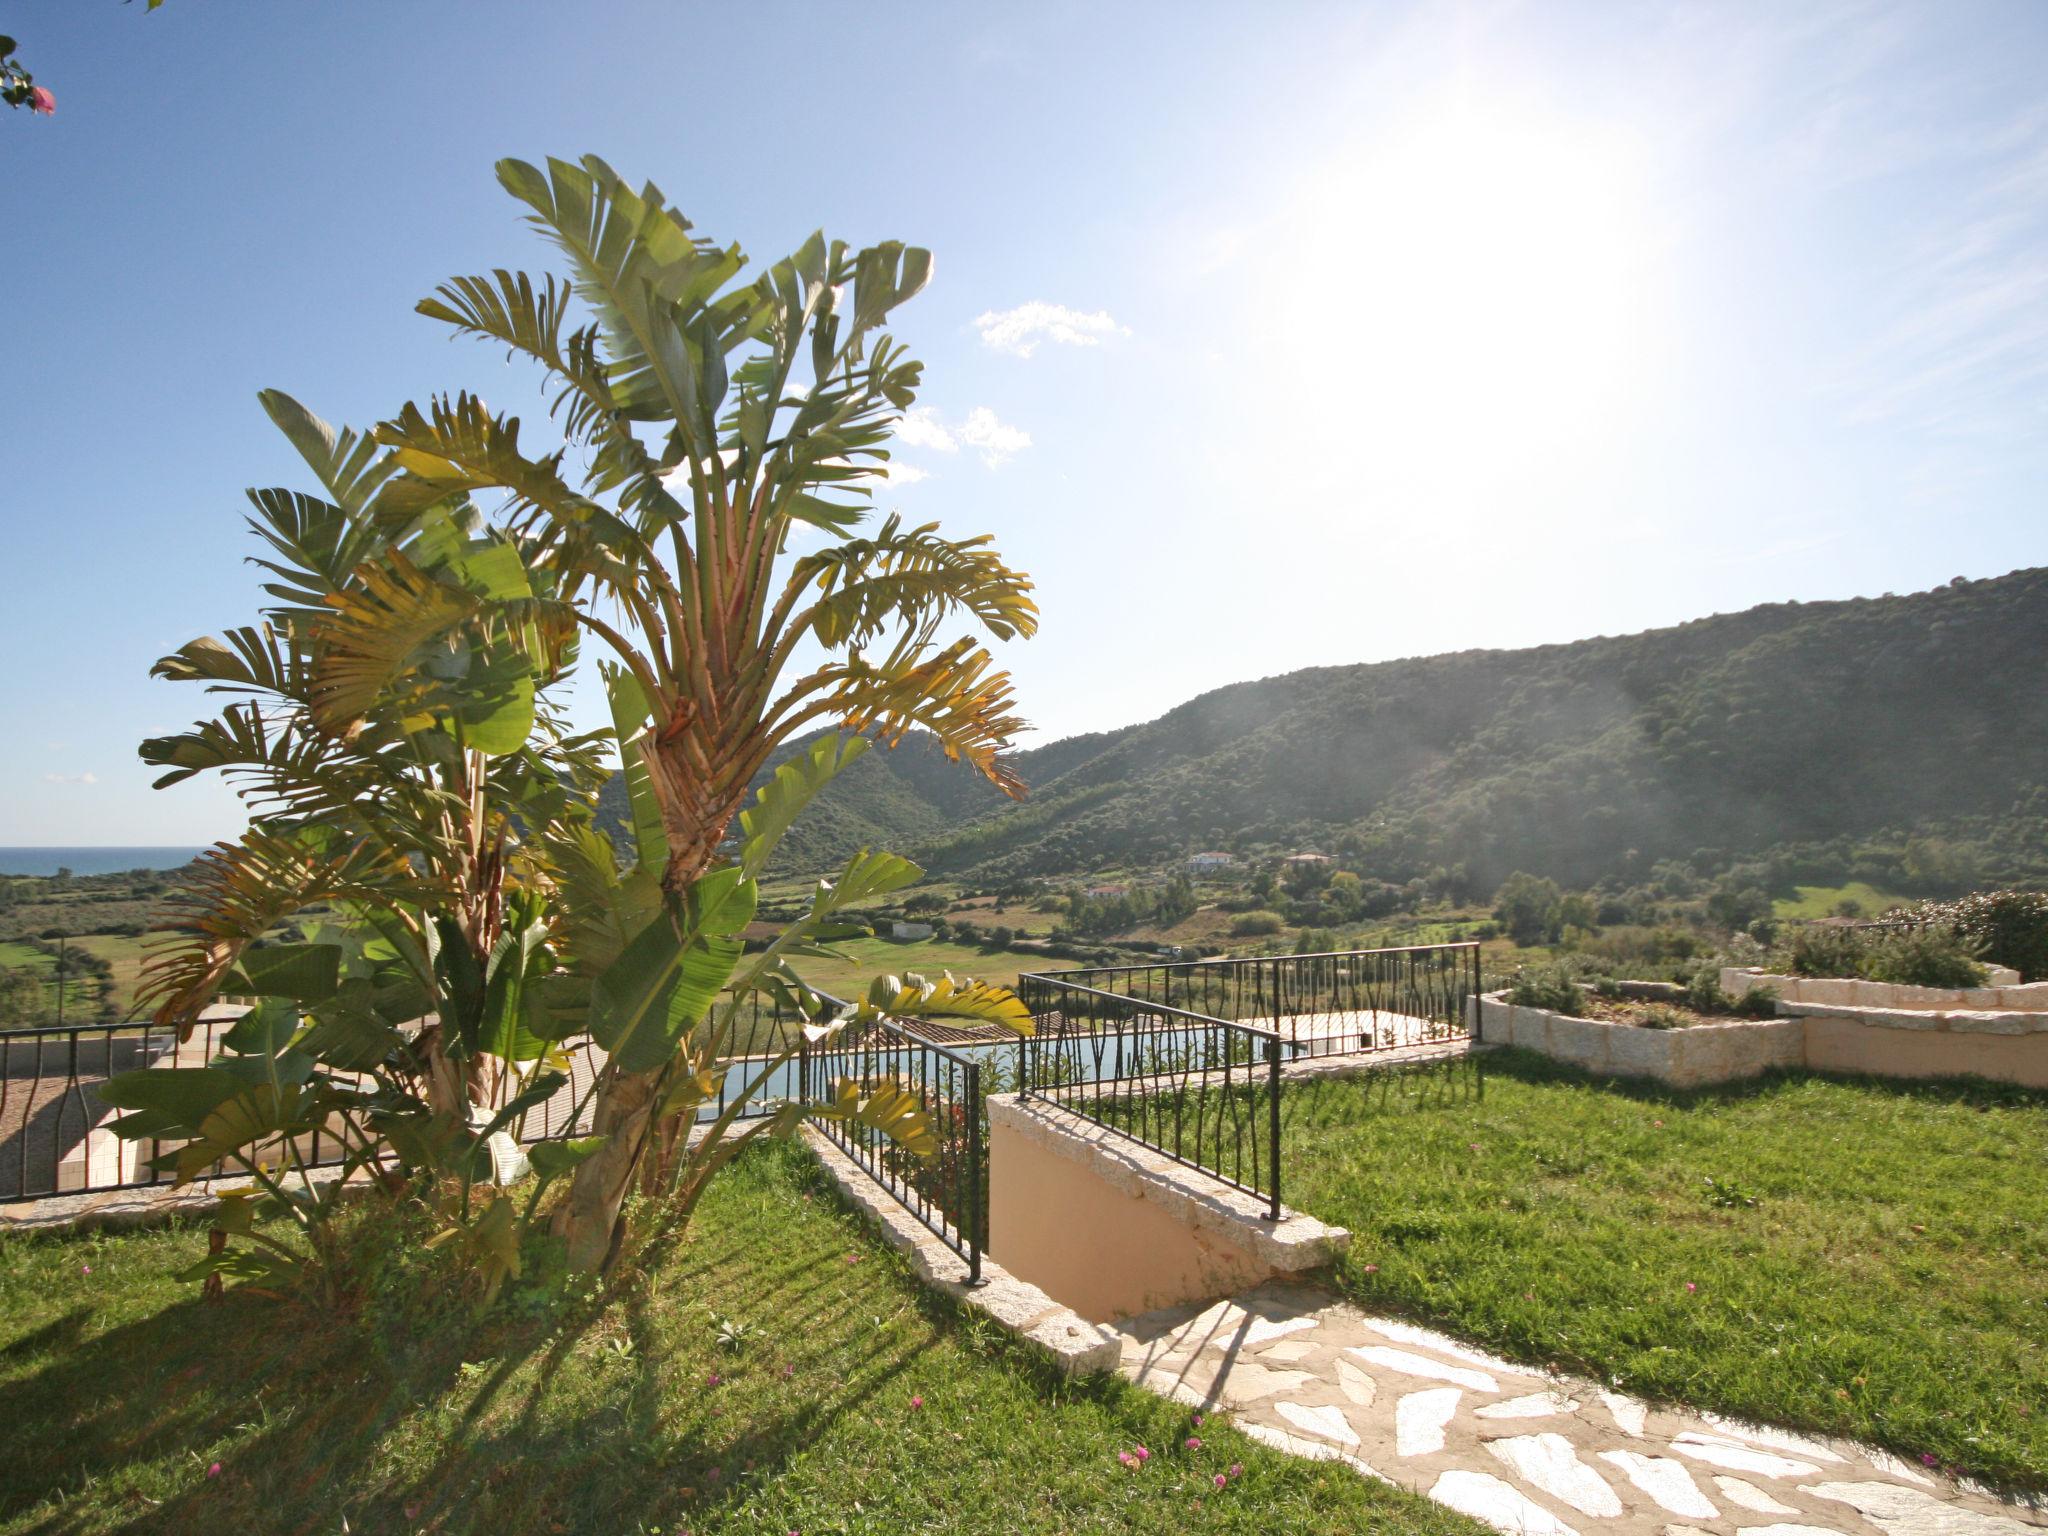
x: 1839, y: 730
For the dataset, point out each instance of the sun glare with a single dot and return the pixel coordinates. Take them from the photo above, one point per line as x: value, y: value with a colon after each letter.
x: 1471, y: 300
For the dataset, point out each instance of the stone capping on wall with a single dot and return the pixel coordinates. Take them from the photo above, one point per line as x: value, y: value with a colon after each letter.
x: 2006, y: 991
x: 1960, y: 1021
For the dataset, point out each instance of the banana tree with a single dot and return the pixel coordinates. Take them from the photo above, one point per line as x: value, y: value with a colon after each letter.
x: 716, y: 418
x: 391, y: 740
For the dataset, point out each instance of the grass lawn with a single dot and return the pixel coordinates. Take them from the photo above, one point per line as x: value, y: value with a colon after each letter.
x: 1869, y: 1259
x: 1821, y: 900
x: 871, y: 957
x: 123, y: 1391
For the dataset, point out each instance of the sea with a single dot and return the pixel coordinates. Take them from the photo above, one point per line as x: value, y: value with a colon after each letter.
x: 92, y: 861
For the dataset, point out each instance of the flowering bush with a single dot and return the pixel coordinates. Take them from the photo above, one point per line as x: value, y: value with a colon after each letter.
x: 18, y: 87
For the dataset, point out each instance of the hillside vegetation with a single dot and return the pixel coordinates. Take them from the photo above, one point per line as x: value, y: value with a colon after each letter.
x: 1850, y: 738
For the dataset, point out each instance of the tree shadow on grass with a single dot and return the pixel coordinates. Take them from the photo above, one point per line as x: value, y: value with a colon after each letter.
x: 598, y: 1417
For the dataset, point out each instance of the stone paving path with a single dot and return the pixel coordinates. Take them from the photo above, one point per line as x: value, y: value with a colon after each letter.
x: 1523, y: 1451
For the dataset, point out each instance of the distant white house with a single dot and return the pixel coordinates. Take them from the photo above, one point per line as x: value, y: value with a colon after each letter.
x: 1209, y: 863
x: 1107, y: 890
x: 902, y: 930
x: 1303, y: 860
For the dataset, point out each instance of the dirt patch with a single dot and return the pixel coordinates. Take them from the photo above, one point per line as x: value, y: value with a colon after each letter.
x: 1657, y: 1015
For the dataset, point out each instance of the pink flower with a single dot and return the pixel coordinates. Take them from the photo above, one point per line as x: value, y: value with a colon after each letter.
x: 1372, y: 1269
x: 788, y: 1371
x: 1194, y: 1442
x: 917, y: 1402
x: 1929, y: 1459
x: 41, y: 99
x: 1198, y: 1421
x: 214, y: 1470
x: 85, y: 1269
x: 1219, y: 1480
x: 1473, y: 1145
x: 1237, y: 1469
x: 714, y: 1380
x: 1690, y: 1286
x: 1125, y: 1458
x: 1142, y: 1454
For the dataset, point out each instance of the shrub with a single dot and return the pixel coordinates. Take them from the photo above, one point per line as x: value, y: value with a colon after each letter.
x: 1548, y: 987
x: 1919, y: 957
x: 1925, y: 957
x: 1662, y: 1016
x: 1826, y: 951
x: 2011, y: 927
x: 1252, y: 925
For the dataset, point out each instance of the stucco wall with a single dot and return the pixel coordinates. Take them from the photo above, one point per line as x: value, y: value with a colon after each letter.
x: 1111, y: 1229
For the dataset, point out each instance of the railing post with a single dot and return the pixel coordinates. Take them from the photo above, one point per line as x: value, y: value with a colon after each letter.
x: 976, y: 1182
x: 1273, y: 1117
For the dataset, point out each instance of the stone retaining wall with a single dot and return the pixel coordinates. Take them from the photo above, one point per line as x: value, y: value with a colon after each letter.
x: 2009, y: 1045
x: 2004, y: 992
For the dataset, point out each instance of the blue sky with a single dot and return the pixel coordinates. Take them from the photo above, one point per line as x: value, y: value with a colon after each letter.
x: 1263, y: 336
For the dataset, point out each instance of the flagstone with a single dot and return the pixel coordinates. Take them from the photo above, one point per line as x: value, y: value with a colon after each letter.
x: 1751, y: 1497
x: 1289, y: 1353
x: 1551, y: 1464
x: 1536, y: 1405
x: 1355, y: 1384
x: 1444, y: 1344
x: 1738, y: 1458
x: 1261, y: 1329
x: 1294, y: 1374
x: 1419, y: 1420
x: 1500, y: 1504
x: 1247, y: 1381
x: 1630, y: 1414
x: 1421, y: 1365
x: 1326, y: 1420
x: 1900, y: 1511
x: 1779, y: 1439
x: 1666, y: 1481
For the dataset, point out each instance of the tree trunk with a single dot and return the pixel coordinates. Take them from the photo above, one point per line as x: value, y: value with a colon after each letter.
x: 588, y: 1220
x: 694, y: 819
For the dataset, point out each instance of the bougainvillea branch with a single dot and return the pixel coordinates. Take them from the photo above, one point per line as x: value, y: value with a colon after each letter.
x: 18, y: 87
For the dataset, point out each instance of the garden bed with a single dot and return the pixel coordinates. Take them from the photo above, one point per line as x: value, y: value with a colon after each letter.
x: 1708, y: 1051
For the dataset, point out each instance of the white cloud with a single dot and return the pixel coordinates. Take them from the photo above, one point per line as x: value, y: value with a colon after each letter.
x: 921, y: 429
x: 996, y: 440
x: 980, y: 429
x: 1018, y: 331
x: 71, y: 778
x: 905, y: 474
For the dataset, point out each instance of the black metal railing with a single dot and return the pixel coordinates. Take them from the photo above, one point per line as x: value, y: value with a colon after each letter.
x: 55, y: 1140
x: 948, y: 1189
x: 1203, y: 1091
x: 1336, y: 1004
x: 1186, y: 1056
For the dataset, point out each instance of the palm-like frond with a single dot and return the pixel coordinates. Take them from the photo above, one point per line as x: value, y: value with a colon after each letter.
x: 369, y: 646
x: 912, y: 578
x: 958, y: 695
x: 237, y: 892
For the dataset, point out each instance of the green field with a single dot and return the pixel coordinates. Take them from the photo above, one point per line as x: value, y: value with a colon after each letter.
x: 871, y: 957
x: 1821, y: 900
x: 856, y: 1401
x: 1859, y: 1258
x: 125, y: 953
x: 81, y: 994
